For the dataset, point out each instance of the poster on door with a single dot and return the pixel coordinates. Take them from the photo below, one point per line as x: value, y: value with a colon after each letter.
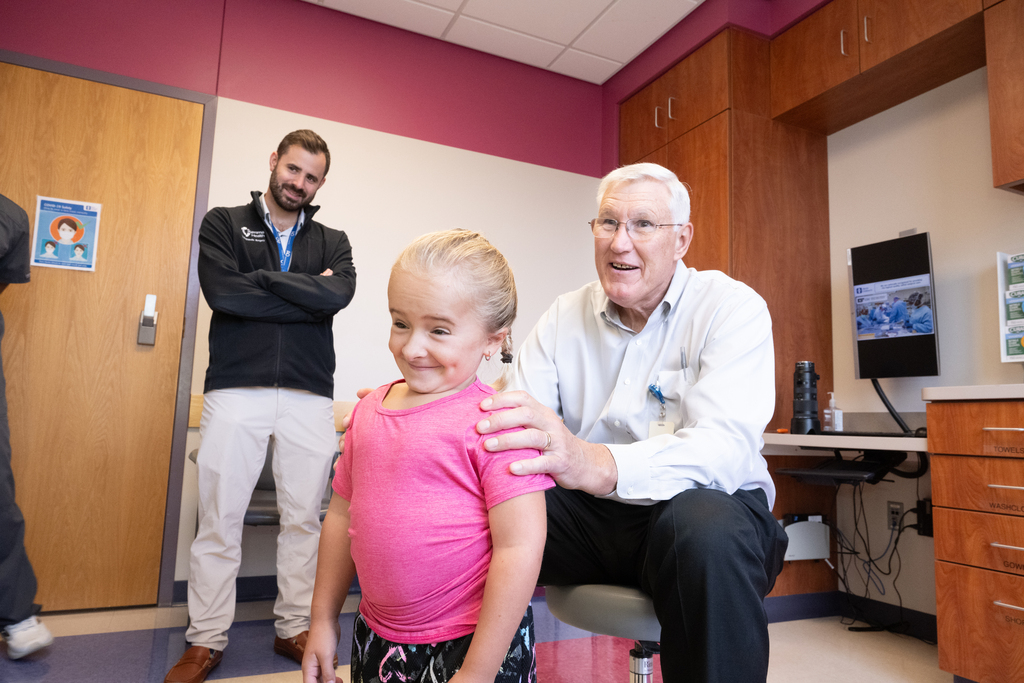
x: 65, y: 234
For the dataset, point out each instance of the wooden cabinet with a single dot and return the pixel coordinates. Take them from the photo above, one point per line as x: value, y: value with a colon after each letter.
x: 978, y: 496
x: 814, y: 56
x: 729, y: 71
x: 977, y: 428
x: 700, y: 158
x: 855, y: 58
x: 1004, y: 46
x: 643, y: 123
x: 890, y: 27
x: 980, y: 623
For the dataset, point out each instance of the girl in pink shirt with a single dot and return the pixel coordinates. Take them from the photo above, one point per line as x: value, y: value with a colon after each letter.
x: 447, y: 542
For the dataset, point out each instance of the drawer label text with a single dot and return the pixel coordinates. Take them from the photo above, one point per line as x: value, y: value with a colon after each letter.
x: 1006, y: 448
x: 1012, y: 507
x: 1014, y: 620
x: 1018, y: 566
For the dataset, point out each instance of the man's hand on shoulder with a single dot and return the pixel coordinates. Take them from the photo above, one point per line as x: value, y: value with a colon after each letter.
x: 572, y: 462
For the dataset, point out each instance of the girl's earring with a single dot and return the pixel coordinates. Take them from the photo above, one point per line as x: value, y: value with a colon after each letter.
x: 487, y: 356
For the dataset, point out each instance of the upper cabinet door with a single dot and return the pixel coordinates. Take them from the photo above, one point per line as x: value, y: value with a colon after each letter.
x: 888, y: 27
x: 643, y: 123
x: 697, y: 88
x: 819, y: 53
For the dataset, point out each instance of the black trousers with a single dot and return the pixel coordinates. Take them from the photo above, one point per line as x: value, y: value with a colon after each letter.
x: 17, y: 580
x: 706, y: 558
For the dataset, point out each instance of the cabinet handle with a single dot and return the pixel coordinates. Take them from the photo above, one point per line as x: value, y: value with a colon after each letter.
x: 1002, y: 429
x: 1003, y: 604
x: 1004, y: 486
x: 866, y: 39
x: 842, y: 43
x: 671, y: 118
x: 1008, y: 547
x: 656, y: 110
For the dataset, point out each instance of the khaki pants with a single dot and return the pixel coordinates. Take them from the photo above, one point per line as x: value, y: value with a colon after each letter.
x: 235, y: 428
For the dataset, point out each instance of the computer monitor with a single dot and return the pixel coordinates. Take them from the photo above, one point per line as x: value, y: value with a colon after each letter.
x: 892, y: 302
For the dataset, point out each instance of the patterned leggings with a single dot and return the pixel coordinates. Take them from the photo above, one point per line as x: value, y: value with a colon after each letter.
x: 376, y: 660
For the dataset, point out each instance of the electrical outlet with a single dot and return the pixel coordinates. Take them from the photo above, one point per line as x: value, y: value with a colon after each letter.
x: 895, y: 515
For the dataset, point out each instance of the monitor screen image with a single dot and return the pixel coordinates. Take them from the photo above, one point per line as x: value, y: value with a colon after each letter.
x: 892, y: 302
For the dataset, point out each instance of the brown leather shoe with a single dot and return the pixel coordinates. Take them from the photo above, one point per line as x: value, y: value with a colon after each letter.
x: 295, y: 647
x: 194, y: 665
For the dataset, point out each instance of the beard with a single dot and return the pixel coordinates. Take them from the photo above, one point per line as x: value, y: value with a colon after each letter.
x: 283, y: 200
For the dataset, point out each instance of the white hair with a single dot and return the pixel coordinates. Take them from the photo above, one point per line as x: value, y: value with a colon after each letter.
x: 638, y: 173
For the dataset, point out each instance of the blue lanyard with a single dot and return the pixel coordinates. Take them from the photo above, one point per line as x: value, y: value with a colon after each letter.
x: 285, y: 249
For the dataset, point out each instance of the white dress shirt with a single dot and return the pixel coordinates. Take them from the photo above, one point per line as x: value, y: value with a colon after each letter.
x: 708, y: 346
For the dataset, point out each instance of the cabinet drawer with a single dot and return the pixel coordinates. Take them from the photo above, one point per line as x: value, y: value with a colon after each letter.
x: 994, y: 428
x: 980, y: 539
x: 980, y: 616
x: 985, y: 484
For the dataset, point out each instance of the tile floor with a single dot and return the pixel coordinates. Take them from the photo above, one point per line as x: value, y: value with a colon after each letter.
x: 140, y: 645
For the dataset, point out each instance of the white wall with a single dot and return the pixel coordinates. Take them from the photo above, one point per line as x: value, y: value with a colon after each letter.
x: 925, y: 164
x: 384, y: 190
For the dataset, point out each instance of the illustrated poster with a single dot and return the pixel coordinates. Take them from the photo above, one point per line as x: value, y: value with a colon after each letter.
x: 65, y: 234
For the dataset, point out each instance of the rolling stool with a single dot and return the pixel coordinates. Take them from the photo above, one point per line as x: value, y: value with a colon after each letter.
x: 612, y: 611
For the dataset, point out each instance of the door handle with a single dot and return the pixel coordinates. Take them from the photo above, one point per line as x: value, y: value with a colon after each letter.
x: 147, y: 322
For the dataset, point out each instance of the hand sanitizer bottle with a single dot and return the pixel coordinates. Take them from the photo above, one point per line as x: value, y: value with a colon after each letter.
x: 833, y: 416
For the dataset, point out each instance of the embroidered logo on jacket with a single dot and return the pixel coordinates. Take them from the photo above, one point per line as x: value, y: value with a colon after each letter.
x: 253, y: 235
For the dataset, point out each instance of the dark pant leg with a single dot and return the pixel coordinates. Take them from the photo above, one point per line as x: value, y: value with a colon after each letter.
x: 592, y: 540
x: 711, y: 559
x: 17, y: 580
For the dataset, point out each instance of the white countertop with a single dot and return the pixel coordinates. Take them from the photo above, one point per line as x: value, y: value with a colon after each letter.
x: 973, y: 393
x: 814, y: 444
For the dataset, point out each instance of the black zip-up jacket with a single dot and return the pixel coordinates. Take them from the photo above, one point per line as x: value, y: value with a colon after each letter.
x: 272, y: 329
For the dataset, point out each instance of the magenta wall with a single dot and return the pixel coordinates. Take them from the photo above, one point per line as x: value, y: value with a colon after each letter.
x: 310, y: 60
x: 304, y: 58
x: 374, y: 76
x: 173, y: 42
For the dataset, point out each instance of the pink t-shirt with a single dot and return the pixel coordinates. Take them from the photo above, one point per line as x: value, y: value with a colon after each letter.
x: 419, y: 484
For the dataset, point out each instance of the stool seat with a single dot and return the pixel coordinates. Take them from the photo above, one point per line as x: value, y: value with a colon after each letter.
x: 609, y: 610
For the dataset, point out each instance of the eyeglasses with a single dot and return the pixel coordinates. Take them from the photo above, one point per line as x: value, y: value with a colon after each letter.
x: 639, y: 229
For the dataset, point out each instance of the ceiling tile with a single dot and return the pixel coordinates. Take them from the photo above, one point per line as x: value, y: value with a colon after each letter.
x: 406, y: 14
x: 630, y: 26
x: 585, y: 67
x: 452, y: 5
x: 559, y: 21
x: 503, y: 42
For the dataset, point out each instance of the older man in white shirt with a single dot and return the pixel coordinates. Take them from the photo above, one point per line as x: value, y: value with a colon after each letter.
x: 648, y: 392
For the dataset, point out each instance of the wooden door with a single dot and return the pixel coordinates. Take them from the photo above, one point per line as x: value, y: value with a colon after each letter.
x: 817, y: 54
x: 888, y: 27
x: 91, y: 411
x: 700, y: 159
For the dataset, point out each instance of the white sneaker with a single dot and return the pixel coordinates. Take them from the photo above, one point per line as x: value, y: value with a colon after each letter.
x: 26, y: 637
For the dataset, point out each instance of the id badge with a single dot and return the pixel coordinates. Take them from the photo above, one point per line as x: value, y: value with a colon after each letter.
x: 659, y: 427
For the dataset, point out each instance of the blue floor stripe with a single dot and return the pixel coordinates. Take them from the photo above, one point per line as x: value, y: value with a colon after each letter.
x: 146, y: 656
